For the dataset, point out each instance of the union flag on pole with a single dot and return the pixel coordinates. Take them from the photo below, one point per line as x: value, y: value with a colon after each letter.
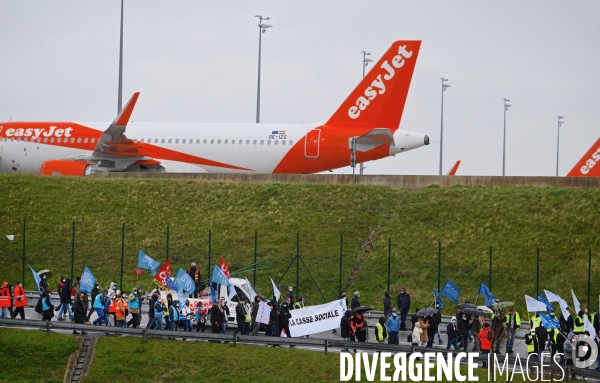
x: 163, y: 274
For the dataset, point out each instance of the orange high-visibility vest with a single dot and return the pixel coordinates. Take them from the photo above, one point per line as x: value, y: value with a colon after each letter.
x: 125, y: 305
x: 111, y: 306
x: 4, y: 297
x: 20, y: 297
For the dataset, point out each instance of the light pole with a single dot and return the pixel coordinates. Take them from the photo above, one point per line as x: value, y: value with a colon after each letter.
x: 366, y: 62
x: 444, y: 87
x: 560, y: 122
x: 261, y: 29
x: 120, y: 96
x: 506, y: 106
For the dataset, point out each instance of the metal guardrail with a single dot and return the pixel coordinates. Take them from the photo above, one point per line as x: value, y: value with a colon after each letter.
x: 325, y: 344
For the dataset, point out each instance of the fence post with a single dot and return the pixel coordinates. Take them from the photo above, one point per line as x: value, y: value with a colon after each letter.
x: 491, y: 250
x: 122, y: 255
x: 24, y: 242
x: 439, y: 264
x: 297, y: 265
x: 326, y: 344
x: 255, y: 253
x: 73, y: 252
x: 168, y: 238
x: 341, y: 253
x: 389, y: 261
x: 537, y: 279
x: 589, y: 277
x: 209, y: 251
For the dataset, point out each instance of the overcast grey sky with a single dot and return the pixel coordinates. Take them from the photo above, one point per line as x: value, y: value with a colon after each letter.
x: 196, y: 61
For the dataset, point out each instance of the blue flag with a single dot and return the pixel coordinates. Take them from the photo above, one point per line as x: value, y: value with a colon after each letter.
x: 87, y: 281
x: 438, y: 298
x: 451, y: 291
x: 213, y: 295
x: 181, y: 297
x: 37, y: 279
x: 485, y: 291
x: 549, y: 307
x: 219, y: 277
x: 146, y: 262
x: 548, y: 322
x: 170, y: 284
x: 184, y: 281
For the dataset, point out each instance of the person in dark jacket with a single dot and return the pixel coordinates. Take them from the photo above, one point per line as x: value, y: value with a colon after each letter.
x: 216, y: 317
x: 47, y: 306
x: 64, y: 291
x: 463, y: 331
x: 290, y: 295
x: 240, y: 316
x: 346, y: 330
x: 403, y: 301
x: 274, y: 320
x: 359, y: 327
x: 542, y: 335
x: 79, y: 311
x: 284, y: 318
x: 355, y: 301
x: 151, y: 317
x: 452, y: 332
x: 432, y: 330
x: 387, y: 305
x: 93, y: 294
x: 254, y: 313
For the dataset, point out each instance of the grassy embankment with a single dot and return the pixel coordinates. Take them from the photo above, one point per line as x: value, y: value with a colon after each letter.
x: 467, y: 220
x: 34, y: 356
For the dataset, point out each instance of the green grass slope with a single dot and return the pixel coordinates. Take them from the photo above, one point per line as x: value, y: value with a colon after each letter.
x: 34, y: 356
x: 564, y: 223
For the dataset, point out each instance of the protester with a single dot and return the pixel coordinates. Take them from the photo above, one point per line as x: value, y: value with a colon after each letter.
x: 434, y: 322
x: 186, y: 316
x: 151, y: 315
x: 359, y: 327
x: 513, y: 323
x: 299, y: 304
x: 542, y: 336
x: 346, y: 330
x: 167, y: 303
x: 485, y: 338
x: 47, y: 306
x: 578, y: 323
x: 79, y: 311
x: 463, y: 331
x: 173, y: 316
x: 44, y: 286
x: 381, y: 332
x: 284, y: 318
x: 555, y: 341
x: 194, y: 273
x: 94, y: 294
x: 255, y: 308
x: 533, y: 346
x: 240, y: 317
x: 111, y: 308
x: 159, y: 312
x: 424, y: 325
x: 274, y: 320
x: 475, y: 327
x: 100, y: 305
x: 226, y: 313
x: 403, y: 301
x: 20, y: 301
x: 568, y: 347
x: 201, y: 314
x: 343, y: 296
x: 290, y: 295
x: 387, y: 305
x: 64, y: 292
x: 413, y: 320
x: 112, y: 288
x: 216, y: 317
x: 134, y: 309
x: 120, y: 310
x: 393, y: 326
x: 355, y: 301
x: 416, y: 334
x: 248, y: 319
x: 452, y: 333
x: 438, y: 319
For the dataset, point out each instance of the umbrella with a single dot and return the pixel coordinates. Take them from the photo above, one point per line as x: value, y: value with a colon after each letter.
x: 362, y: 309
x: 501, y: 305
x: 471, y: 311
x: 463, y: 306
x: 485, y: 309
x: 45, y: 271
x: 427, y: 311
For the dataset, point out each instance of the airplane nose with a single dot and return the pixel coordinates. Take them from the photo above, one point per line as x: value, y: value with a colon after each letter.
x: 426, y: 140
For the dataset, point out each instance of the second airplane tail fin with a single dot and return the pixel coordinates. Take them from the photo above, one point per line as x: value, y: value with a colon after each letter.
x: 378, y: 100
x: 589, y: 164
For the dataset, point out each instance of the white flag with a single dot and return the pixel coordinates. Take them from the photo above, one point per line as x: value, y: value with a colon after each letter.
x: 575, y: 302
x: 232, y: 292
x: 250, y: 290
x: 588, y: 327
x: 534, y: 305
x: 276, y: 291
x: 10, y: 237
x: 551, y: 296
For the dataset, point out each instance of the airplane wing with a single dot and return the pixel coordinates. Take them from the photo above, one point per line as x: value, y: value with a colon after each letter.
x: 113, y: 141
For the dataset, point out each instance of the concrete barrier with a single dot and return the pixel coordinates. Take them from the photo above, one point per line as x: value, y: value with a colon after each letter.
x: 394, y: 181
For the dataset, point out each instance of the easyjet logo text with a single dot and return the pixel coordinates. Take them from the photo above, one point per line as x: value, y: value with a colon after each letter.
x: 38, y: 132
x: 591, y: 162
x: 378, y: 85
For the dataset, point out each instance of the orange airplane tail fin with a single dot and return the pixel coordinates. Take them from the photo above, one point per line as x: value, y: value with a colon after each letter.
x: 378, y: 100
x: 452, y: 171
x: 589, y: 164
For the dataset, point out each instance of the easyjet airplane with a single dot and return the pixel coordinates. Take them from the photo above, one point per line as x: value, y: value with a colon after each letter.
x: 589, y: 164
x: 370, y: 115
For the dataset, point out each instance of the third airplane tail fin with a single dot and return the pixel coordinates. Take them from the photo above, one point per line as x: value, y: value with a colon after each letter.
x: 378, y: 100
x: 589, y: 164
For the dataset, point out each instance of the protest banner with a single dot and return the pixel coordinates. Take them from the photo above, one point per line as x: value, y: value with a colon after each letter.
x: 315, y: 319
